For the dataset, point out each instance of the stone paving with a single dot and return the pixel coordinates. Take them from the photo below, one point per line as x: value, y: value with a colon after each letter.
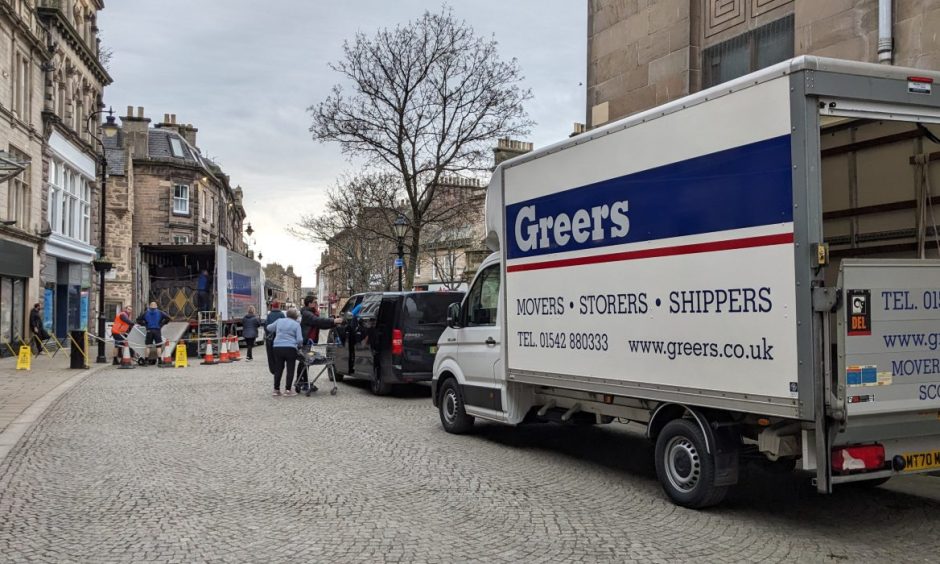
x: 203, y: 465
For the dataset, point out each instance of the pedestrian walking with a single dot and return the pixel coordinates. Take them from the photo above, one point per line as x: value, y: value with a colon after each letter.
x: 250, y: 325
x: 273, y: 316
x: 287, y: 339
x: 37, y: 328
x: 153, y: 320
x: 120, y: 329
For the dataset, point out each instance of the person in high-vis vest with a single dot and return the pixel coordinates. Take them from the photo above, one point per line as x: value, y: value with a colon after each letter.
x: 123, y: 322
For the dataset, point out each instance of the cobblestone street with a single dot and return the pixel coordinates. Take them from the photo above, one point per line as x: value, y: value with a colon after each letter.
x: 202, y: 464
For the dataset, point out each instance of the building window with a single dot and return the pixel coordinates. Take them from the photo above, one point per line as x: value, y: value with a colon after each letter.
x: 176, y: 148
x: 21, y: 86
x: 69, y: 202
x: 18, y: 192
x: 181, y: 199
x: 181, y: 239
x: 748, y: 52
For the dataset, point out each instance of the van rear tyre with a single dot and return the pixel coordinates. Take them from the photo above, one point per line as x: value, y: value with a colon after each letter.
x: 377, y: 386
x: 685, y: 468
x: 454, y: 418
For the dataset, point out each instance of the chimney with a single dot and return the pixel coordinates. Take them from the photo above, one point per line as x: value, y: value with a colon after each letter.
x: 169, y: 123
x: 189, y: 133
x: 508, y: 148
x: 578, y: 129
x: 137, y: 131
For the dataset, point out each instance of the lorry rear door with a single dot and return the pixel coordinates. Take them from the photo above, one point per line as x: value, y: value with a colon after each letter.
x: 889, y: 377
x: 479, y: 338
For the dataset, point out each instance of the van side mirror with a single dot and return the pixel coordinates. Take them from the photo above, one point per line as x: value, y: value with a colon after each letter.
x: 453, y: 315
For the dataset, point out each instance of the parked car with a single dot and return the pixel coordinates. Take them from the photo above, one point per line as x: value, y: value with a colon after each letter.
x: 392, y: 339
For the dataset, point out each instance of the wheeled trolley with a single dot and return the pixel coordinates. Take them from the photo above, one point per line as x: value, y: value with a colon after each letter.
x: 314, y: 357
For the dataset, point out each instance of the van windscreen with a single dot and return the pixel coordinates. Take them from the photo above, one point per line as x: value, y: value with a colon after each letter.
x: 428, y: 308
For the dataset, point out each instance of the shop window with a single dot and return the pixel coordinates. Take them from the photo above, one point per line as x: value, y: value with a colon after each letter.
x: 748, y: 52
x: 181, y: 199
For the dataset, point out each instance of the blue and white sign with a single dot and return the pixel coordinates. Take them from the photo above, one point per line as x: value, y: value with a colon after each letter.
x: 399, y: 263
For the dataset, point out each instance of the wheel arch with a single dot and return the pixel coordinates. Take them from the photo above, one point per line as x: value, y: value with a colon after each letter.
x: 721, y: 441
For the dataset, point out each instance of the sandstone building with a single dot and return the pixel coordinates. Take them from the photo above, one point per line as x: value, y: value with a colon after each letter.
x: 51, y: 83
x: 284, y: 285
x: 165, y: 199
x: 643, y: 53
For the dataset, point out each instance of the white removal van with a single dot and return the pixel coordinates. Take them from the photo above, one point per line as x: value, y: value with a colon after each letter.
x: 750, y: 272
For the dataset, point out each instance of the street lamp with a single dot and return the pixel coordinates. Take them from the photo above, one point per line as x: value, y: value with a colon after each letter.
x: 102, y: 265
x: 399, y: 227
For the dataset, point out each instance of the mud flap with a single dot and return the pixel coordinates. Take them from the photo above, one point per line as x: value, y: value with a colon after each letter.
x: 723, y: 445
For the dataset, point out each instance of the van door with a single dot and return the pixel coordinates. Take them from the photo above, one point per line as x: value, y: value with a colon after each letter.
x: 478, y: 349
x: 363, y: 357
x: 424, y: 317
x: 339, y: 338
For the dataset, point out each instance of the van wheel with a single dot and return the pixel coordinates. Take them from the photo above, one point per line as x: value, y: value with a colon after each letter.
x: 377, y: 386
x: 684, y: 467
x: 453, y: 417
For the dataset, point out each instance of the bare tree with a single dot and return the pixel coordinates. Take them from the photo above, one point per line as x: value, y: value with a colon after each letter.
x: 426, y: 99
x: 356, y: 227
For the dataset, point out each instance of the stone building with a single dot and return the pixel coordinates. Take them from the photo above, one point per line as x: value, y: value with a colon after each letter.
x: 643, y: 53
x: 284, y: 283
x: 451, y: 254
x: 168, y: 205
x: 52, y: 83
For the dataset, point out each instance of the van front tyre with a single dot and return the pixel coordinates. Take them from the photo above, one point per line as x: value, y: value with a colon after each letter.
x: 685, y: 468
x: 453, y: 417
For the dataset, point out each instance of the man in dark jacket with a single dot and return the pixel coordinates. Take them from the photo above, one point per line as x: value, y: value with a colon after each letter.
x: 250, y: 325
x: 273, y: 316
x: 203, y: 299
x: 310, y: 325
x: 153, y: 320
x: 37, y: 327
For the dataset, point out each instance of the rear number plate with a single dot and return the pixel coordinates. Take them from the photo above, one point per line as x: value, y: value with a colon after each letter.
x: 914, y: 461
x: 433, y: 350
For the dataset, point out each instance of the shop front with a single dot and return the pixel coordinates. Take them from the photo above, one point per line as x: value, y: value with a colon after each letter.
x: 16, y: 269
x: 67, y: 270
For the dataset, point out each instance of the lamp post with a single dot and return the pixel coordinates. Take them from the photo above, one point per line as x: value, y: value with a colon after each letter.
x: 102, y: 265
x: 400, y: 226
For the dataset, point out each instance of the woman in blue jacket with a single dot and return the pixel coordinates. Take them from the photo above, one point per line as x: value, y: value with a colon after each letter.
x: 273, y: 316
x: 288, y: 337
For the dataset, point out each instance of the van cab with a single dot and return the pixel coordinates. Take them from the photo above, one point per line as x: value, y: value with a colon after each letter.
x: 392, y: 338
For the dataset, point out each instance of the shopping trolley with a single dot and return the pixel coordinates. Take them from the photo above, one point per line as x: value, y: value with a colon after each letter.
x: 314, y: 357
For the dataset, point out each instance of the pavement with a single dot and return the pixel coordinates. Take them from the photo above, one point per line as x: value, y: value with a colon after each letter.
x: 20, y: 389
x: 203, y: 465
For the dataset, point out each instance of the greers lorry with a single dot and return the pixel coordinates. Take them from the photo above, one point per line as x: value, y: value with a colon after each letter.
x: 749, y: 271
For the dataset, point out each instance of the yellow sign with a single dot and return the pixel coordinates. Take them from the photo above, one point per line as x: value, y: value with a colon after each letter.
x: 181, y: 360
x: 25, y: 359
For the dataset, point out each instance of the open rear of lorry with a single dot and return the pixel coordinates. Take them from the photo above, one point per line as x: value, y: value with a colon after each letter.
x: 750, y: 271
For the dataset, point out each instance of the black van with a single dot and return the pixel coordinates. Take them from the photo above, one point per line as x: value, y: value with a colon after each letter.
x: 393, y: 336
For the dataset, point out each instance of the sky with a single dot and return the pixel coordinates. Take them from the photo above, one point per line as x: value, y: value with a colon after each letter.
x: 244, y: 73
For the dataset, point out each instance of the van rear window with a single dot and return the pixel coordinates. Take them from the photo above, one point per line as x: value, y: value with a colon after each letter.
x: 428, y: 308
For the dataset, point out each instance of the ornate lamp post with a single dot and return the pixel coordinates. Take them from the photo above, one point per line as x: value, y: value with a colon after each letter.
x: 102, y: 264
x: 399, y: 227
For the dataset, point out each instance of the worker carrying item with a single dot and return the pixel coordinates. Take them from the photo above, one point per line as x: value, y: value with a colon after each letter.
x: 123, y: 323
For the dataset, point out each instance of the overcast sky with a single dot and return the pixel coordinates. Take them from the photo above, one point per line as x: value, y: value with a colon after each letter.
x: 244, y: 73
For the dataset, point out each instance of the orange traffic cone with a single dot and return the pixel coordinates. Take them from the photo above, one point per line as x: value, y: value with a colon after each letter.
x: 126, y: 361
x: 166, y: 360
x: 224, y: 357
x: 209, y: 358
x: 236, y: 352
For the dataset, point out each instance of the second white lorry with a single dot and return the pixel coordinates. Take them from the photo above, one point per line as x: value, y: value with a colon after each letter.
x: 748, y: 271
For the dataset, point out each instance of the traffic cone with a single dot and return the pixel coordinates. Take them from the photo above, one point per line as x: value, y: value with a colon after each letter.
x: 126, y: 361
x: 224, y: 357
x: 166, y: 361
x: 236, y: 352
x: 209, y: 359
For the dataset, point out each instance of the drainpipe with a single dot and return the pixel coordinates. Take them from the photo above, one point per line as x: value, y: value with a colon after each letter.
x: 885, y: 36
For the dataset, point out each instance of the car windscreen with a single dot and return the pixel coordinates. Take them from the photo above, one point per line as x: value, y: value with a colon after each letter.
x: 428, y: 308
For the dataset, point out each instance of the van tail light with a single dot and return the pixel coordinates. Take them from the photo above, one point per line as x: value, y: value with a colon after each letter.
x: 398, y: 345
x: 858, y: 458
